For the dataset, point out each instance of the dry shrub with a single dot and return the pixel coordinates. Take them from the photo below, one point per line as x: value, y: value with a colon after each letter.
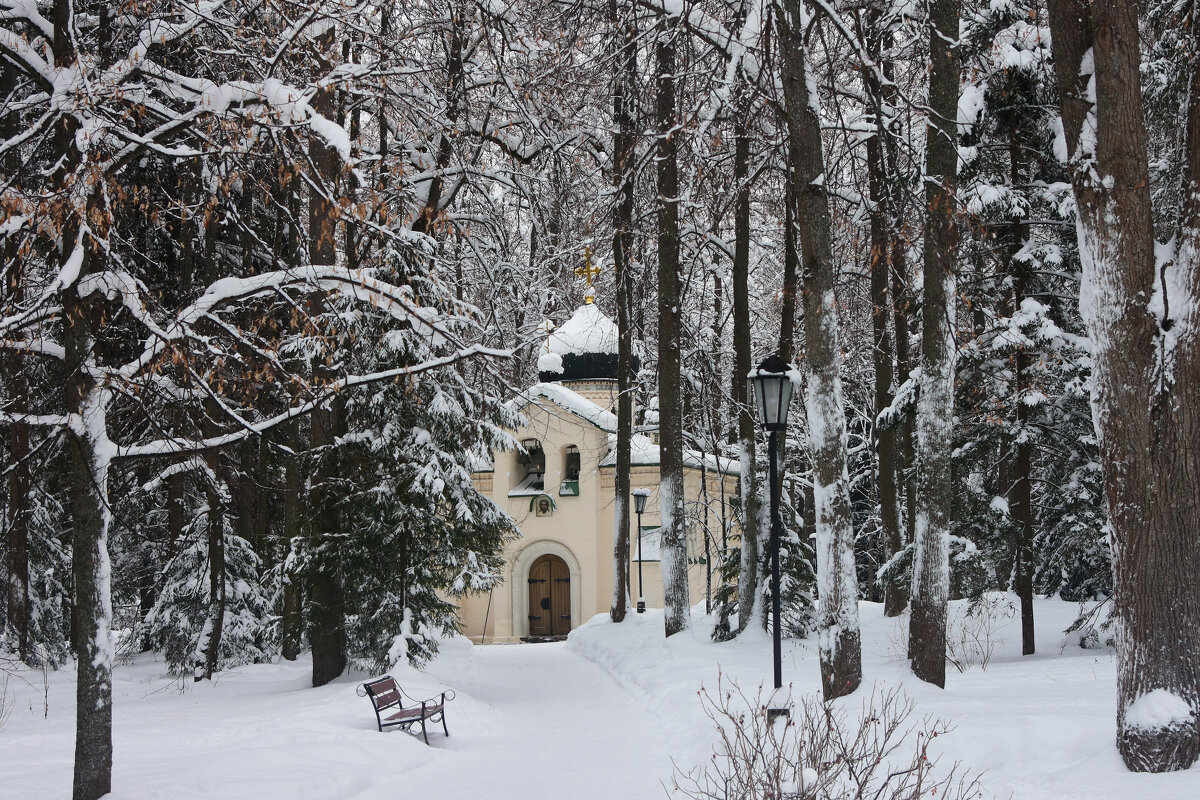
x: 821, y: 752
x: 973, y: 633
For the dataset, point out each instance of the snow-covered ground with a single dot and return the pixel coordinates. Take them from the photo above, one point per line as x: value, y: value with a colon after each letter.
x: 601, y: 716
x: 528, y: 720
x: 1038, y: 727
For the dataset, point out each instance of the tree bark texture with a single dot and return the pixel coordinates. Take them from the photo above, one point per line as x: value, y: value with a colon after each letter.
x: 750, y: 606
x: 1020, y: 500
x: 624, y: 142
x: 839, y: 638
x: 1146, y: 374
x: 19, y: 479
x: 670, y: 399
x: 19, y: 509
x: 456, y: 41
x: 209, y: 649
x: 92, y: 618
x: 327, y: 613
x: 907, y: 435
x: 791, y: 275
x: 326, y: 618
x: 291, y: 624
x: 88, y: 457
x: 89, y: 454
x: 883, y: 221
x: 935, y: 409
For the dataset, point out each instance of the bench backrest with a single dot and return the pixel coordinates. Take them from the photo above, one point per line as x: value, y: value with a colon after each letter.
x: 383, y: 693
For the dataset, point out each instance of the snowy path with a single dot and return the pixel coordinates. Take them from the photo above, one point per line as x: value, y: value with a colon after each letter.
x: 530, y: 721
x: 558, y: 726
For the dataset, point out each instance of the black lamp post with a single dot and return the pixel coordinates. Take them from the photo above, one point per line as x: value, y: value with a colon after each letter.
x: 772, y: 394
x: 639, y: 505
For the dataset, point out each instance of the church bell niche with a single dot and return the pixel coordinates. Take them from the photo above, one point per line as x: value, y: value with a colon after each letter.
x: 571, y: 469
x: 532, y: 458
x: 574, y: 463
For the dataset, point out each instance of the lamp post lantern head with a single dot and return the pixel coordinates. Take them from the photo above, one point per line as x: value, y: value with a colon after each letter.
x: 640, y: 496
x: 772, y: 392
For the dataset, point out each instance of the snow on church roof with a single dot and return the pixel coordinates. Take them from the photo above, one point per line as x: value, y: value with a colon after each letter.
x: 587, y: 331
x: 571, y: 401
x: 645, y: 453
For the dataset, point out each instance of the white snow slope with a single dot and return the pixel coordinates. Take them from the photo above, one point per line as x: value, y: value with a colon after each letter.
x: 528, y: 721
x: 544, y: 720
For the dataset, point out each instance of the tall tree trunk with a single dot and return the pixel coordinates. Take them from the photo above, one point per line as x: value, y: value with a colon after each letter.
x: 1146, y: 374
x: 455, y: 94
x: 1020, y: 501
x: 624, y: 81
x: 88, y: 458
x: 935, y: 409
x: 670, y: 399
x: 92, y: 618
x: 248, y: 498
x: 883, y: 215
x: 907, y: 435
x: 176, y: 513
x: 840, y: 643
x: 208, y: 649
x: 19, y: 478
x: 326, y: 619
x: 19, y: 510
x: 791, y: 273
x: 751, y: 610
x: 292, y: 622
x: 326, y: 615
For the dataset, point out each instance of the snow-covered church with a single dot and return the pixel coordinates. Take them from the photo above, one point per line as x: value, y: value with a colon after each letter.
x: 559, y: 488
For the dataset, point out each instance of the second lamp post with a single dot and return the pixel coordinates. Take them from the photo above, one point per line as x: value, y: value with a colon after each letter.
x: 639, y: 505
x: 772, y: 394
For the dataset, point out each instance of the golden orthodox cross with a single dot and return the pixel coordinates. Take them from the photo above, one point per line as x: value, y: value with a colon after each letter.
x: 588, y: 273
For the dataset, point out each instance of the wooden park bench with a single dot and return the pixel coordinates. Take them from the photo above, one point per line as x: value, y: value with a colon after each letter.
x: 386, y: 695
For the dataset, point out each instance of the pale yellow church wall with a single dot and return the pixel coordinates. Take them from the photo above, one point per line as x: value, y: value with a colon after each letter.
x: 580, y: 530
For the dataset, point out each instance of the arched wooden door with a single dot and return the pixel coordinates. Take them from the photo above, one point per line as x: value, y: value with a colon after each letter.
x: 549, y: 597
